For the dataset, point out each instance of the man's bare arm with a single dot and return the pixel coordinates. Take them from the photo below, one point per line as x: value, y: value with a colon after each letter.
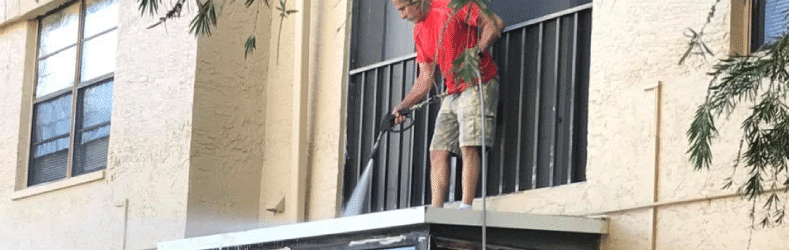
x: 423, y: 84
x: 491, y: 27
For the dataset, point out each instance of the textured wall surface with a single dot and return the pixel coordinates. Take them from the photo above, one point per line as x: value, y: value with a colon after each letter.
x: 327, y: 91
x: 324, y: 115
x: 149, y: 147
x: 277, y: 164
x: 228, y: 126
x: 148, y: 155
x: 12, y: 11
x: 635, y: 45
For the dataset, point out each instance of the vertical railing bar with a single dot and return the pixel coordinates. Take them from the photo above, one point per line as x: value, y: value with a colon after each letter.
x: 410, y: 167
x: 552, y: 166
x: 372, y: 138
x: 361, y: 127
x: 399, y: 168
x: 571, y: 116
x: 411, y: 150
x: 360, y: 159
x: 375, y: 105
x: 385, y: 147
x: 520, y: 112
x: 537, y: 108
x: 426, y: 153
x: 503, y: 138
x: 388, y: 147
x: 389, y: 137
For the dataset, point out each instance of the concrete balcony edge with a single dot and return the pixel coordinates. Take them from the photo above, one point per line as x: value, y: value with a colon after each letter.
x: 390, y: 219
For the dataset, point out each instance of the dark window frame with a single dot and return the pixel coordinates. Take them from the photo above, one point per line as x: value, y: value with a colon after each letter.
x: 76, y: 91
x: 759, y: 26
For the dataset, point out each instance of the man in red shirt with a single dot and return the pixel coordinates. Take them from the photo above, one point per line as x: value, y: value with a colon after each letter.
x: 459, y: 119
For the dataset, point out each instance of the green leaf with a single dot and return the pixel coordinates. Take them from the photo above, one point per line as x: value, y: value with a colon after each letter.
x: 727, y: 183
x: 152, y: 6
x: 457, y: 4
x: 282, y: 5
x: 700, y: 134
x: 753, y: 186
x: 204, y: 19
x: 466, y: 66
x: 249, y: 46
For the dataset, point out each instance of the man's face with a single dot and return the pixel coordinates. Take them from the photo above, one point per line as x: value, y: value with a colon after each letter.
x: 408, y: 10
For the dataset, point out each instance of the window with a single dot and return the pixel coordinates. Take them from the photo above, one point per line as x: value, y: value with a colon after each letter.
x: 543, y: 58
x: 73, y: 94
x: 769, y: 22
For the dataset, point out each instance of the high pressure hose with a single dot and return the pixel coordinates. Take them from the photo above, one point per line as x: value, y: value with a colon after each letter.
x: 483, y: 164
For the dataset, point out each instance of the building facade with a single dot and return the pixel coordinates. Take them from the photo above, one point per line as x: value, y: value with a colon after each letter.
x: 119, y: 136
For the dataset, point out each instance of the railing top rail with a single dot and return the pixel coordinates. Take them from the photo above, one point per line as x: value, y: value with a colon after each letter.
x: 507, y: 29
x: 555, y: 15
x: 384, y: 63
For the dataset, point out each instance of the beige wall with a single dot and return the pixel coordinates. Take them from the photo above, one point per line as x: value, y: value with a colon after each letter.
x: 227, y: 131
x: 324, y: 113
x: 12, y: 11
x: 327, y: 109
x: 279, y: 115
x: 148, y: 161
x: 635, y: 45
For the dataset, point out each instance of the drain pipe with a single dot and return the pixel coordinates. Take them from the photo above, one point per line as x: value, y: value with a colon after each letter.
x: 656, y: 175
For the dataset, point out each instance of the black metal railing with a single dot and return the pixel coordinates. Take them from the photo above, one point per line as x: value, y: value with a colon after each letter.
x: 541, y: 122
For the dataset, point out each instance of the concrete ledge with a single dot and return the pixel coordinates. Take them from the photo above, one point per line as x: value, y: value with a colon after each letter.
x: 391, y: 219
x: 56, y: 185
x: 572, y: 224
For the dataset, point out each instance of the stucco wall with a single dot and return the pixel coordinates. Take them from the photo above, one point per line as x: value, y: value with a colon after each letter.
x: 324, y: 114
x: 327, y: 94
x: 12, y: 11
x: 276, y: 171
x: 229, y: 120
x: 148, y: 155
x: 635, y: 45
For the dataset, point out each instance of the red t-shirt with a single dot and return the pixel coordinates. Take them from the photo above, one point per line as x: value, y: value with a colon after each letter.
x: 460, y: 34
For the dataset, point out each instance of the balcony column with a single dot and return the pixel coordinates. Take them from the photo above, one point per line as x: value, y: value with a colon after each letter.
x: 298, y: 190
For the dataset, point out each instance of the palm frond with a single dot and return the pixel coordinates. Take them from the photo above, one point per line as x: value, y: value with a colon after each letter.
x: 150, y: 6
x: 249, y: 46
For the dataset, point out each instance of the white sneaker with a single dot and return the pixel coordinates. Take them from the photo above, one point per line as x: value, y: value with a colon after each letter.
x: 464, y: 206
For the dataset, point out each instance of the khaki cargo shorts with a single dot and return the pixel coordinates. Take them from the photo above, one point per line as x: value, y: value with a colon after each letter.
x: 459, y: 123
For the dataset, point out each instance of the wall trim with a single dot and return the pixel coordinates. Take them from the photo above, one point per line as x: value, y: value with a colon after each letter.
x: 57, y: 185
x: 675, y: 202
x: 740, y: 27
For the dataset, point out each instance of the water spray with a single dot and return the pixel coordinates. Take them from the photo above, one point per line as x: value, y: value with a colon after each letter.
x: 358, y: 200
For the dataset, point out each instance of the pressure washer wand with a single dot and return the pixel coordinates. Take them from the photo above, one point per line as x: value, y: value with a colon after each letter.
x: 361, y: 192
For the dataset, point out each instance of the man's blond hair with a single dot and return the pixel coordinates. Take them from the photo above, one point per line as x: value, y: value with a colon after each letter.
x: 423, y: 4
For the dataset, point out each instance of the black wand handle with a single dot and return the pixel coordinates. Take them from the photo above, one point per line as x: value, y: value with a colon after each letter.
x: 389, y: 120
